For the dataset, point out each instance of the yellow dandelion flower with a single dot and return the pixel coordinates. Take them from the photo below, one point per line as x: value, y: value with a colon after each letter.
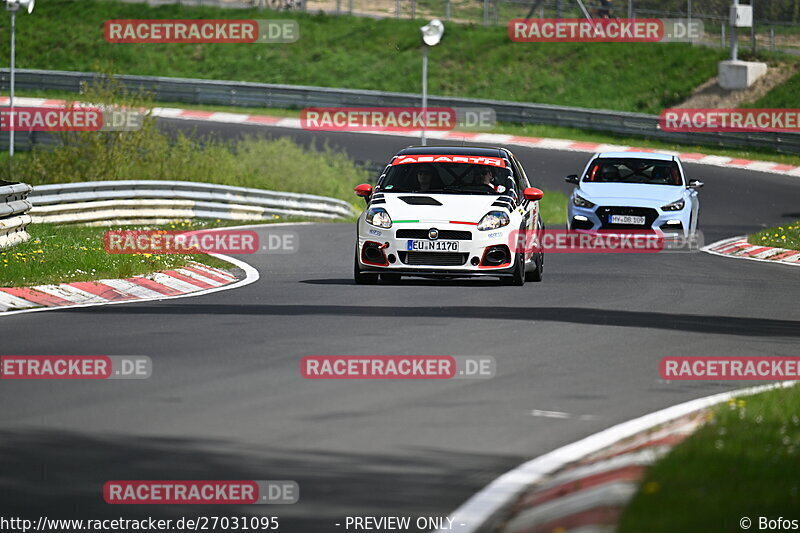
x: 651, y: 487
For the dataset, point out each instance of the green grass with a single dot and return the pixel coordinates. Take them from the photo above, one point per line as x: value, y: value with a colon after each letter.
x: 264, y: 164
x: 787, y: 236
x: 744, y: 463
x: 786, y: 95
x: 59, y: 254
x: 553, y: 208
x: 364, y: 53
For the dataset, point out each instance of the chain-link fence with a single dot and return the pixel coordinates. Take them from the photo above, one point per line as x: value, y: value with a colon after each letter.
x: 777, y: 22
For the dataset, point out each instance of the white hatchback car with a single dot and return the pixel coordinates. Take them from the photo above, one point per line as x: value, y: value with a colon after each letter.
x: 634, y: 190
x: 448, y: 212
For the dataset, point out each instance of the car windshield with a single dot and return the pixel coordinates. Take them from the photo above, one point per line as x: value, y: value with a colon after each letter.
x: 633, y: 170
x: 447, y: 178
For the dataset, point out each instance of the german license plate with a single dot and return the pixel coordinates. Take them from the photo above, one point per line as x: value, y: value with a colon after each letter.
x: 626, y: 219
x: 432, y: 246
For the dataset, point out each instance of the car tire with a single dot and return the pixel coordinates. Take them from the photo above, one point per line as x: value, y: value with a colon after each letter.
x: 360, y: 277
x: 390, y: 278
x: 537, y: 273
x: 518, y: 278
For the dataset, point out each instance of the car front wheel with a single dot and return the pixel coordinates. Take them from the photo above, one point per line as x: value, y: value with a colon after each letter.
x: 360, y: 277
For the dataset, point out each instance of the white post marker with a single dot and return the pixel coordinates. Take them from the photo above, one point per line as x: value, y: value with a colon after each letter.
x: 12, y: 6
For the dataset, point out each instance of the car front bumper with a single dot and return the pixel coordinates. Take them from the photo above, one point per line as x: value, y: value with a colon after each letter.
x: 479, y: 252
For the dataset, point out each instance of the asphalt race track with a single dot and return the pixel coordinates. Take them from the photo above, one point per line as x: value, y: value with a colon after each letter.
x: 226, y: 400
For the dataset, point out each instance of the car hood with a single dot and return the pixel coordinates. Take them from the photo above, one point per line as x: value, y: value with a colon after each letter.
x: 630, y: 191
x: 461, y: 207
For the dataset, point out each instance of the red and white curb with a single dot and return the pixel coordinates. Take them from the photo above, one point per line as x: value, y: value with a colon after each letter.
x: 738, y: 247
x: 193, y: 279
x: 592, y: 493
x: 491, y: 138
x: 588, y: 460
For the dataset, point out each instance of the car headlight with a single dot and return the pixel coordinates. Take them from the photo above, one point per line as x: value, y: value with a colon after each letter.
x: 377, y: 216
x: 580, y: 201
x: 493, y: 220
x: 674, y: 206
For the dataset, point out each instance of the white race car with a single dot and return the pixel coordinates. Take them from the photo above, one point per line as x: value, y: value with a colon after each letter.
x: 448, y: 211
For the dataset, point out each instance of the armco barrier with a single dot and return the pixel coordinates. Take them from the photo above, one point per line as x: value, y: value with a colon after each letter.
x: 245, y: 94
x: 132, y: 201
x: 13, y: 213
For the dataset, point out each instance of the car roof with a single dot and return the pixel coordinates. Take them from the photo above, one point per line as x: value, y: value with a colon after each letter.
x: 637, y: 155
x: 454, y: 150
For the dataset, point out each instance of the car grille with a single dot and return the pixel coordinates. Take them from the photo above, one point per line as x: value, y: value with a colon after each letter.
x: 446, y: 234
x: 434, y: 258
x: 649, y: 214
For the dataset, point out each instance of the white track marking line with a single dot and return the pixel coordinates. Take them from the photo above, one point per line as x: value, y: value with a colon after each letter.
x: 549, y: 414
x: 502, y: 491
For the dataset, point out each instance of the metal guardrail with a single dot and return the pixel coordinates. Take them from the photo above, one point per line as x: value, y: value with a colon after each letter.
x: 135, y: 201
x: 14, y: 219
x: 247, y: 94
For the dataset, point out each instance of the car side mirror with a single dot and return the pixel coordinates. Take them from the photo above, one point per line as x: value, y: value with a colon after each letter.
x: 532, y: 193
x: 695, y: 184
x: 364, y: 190
x: 572, y: 178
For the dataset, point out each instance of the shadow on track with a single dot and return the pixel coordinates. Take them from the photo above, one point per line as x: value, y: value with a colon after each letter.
x: 60, y: 475
x: 709, y: 324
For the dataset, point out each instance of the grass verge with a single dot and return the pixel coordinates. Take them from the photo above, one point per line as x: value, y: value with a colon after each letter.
x: 744, y: 463
x: 364, y: 53
x: 61, y: 254
x: 553, y: 207
x: 787, y: 236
